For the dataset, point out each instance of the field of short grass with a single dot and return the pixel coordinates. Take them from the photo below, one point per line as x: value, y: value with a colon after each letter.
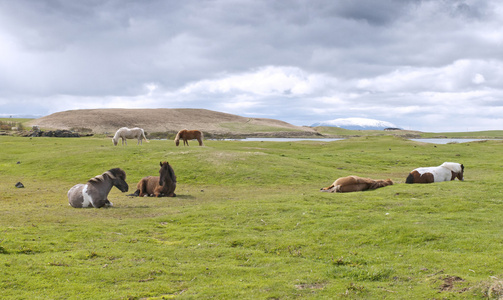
x: 336, y: 131
x: 249, y: 222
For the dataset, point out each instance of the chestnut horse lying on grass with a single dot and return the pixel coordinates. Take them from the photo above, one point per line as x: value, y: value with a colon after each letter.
x: 158, y: 186
x: 355, y: 184
x: 187, y: 135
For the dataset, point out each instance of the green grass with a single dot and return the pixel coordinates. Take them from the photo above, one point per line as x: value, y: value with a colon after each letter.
x: 490, y: 134
x: 249, y: 222
x: 336, y: 131
x: 15, y: 120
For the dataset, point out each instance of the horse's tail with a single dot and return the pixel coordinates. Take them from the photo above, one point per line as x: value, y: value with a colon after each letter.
x: 410, y: 179
x: 202, y: 138
x: 143, y: 133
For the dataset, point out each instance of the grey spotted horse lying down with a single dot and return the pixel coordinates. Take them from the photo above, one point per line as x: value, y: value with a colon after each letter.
x: 95, y: 192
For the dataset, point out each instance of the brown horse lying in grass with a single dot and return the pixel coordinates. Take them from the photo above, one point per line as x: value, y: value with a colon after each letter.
x: 355, y: 184
x: 158, y: 186
x: 187, y: 135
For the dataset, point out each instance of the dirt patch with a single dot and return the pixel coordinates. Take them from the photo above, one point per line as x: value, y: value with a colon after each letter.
x: 107, y: 121
x: 310, y: 286
x: 448, y: 283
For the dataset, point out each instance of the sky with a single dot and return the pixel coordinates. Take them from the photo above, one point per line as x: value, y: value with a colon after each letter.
x: 429, y: 65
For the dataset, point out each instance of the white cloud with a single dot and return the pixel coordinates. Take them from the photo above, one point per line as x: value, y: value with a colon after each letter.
x: 399, y: 61
x: 478, y: 78
x: 264, y: 81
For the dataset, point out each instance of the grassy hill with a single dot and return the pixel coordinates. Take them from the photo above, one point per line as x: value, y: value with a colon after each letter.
x: 167, y: 120
x: 159, y: 122
x: 249, y: 222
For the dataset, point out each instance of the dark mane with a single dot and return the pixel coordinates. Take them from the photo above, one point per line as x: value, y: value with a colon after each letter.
x: 115, y: 172
x: 171, y: 173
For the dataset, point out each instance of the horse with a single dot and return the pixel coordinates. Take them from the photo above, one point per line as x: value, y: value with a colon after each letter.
x: 187, y: 135
x: 445, y: 172
x: 95, y: 192
x: 158, y: 186
x: 126, y: 133
x: 355, y: 184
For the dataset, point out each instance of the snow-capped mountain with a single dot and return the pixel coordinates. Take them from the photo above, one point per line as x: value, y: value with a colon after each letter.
x: 356, y: 124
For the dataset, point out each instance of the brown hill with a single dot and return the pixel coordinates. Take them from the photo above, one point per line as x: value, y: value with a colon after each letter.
x: 167, y: 120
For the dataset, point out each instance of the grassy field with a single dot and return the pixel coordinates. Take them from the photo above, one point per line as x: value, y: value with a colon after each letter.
x: 336, y: 131
x: 249, y: 222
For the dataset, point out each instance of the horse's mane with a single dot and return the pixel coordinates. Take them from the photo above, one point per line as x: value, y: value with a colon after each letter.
x: 171, y: 172
x: 454, y: 167
x: 177, y: 138
x: 112, y: 174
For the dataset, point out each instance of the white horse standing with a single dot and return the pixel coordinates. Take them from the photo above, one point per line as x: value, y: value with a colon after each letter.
x: 126, y: 133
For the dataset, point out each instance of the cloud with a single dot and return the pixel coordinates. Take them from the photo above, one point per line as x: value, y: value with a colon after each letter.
x: 300, y: 61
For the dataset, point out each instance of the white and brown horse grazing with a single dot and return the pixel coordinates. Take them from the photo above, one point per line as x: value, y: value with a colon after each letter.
x: 95, y: 192
x: 445, y: 172
x: 163, y: 185
x: 125, y: 133
x: 187, y: 135
x: 355, y: 184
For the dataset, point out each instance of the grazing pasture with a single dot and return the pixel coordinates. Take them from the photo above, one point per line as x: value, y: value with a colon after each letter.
x: 250, y: 222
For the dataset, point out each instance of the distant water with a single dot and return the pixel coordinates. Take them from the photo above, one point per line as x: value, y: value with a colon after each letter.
x: 432, y: 141
x: 283, y: 139
x: 447, y: 141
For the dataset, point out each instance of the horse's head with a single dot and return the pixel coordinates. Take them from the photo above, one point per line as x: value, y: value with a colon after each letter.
x: 460, y: 174
x: 177, y: 142
x: 115, y: 141
x: 165, y: 173
x: 119, y: 179
x: 456, y: 169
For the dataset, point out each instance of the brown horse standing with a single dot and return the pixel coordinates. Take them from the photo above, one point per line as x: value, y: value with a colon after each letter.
x: 355, y: 184
x: 186, y: 135
x: 158, y: 186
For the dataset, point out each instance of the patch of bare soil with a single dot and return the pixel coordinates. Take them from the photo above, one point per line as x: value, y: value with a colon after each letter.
x: 107, y: 121
x: 448, y: 283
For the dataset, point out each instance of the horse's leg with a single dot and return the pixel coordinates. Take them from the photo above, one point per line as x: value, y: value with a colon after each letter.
x: 158, y: 191
x: 141, y: 188
x: 327, y: 189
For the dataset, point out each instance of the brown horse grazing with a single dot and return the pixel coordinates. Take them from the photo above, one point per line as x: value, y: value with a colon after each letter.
x: 355, y: 184
x: 187, y: 135
x: 158, y: 186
